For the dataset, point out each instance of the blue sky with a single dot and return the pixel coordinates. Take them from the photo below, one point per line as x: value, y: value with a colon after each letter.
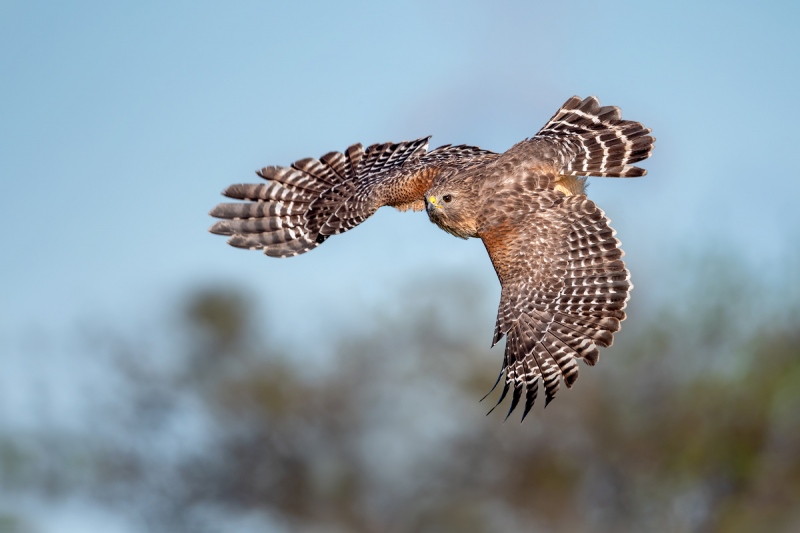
x: 121, y: 122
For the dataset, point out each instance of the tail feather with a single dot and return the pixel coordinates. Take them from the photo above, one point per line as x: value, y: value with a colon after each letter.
x: 601, y: 143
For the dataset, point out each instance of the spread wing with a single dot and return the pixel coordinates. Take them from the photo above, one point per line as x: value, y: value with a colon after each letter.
x: 297, y: 207
x: 564, y: 287
x: 585, y: 139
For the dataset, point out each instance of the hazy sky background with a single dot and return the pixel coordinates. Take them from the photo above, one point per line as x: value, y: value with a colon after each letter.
x: 120, y: 123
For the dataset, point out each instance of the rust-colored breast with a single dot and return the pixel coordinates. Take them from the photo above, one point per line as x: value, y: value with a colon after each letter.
x: 498, y: 240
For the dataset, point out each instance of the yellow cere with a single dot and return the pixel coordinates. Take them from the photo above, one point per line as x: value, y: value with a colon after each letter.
x: 432, y: 199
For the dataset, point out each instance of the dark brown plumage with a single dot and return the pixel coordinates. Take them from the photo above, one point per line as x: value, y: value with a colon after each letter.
x: 564, y: 284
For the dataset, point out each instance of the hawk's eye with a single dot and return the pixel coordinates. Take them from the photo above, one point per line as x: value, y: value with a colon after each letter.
x: 447, y: 198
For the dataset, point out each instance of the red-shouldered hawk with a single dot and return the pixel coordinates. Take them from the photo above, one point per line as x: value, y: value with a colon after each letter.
x: 564, y: 284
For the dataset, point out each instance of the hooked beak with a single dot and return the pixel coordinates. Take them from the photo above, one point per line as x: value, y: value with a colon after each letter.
x: 432, y: 201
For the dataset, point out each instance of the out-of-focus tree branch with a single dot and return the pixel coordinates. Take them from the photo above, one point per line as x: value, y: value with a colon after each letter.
x: 687, y: 424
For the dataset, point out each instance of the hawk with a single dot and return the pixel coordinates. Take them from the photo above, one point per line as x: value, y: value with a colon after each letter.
x: 564, y: 286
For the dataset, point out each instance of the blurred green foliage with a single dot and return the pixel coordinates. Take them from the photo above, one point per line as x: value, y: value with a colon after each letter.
x: 689, y: 423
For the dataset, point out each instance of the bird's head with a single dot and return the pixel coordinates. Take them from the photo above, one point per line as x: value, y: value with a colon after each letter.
x: 452, y: 210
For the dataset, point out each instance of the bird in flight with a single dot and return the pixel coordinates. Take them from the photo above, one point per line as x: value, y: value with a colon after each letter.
x: 564, y: 286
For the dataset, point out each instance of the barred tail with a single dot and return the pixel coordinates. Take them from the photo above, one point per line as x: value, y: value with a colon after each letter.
x: 300, y: 206
x: 599, y: 142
